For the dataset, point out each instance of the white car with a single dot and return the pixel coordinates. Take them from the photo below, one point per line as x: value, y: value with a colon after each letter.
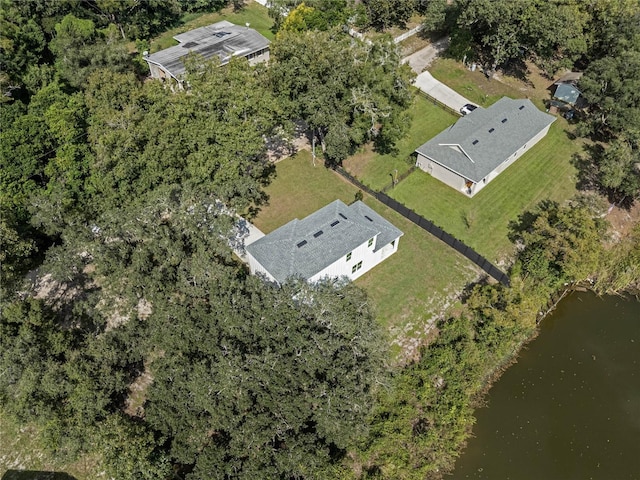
x: 468, y: 108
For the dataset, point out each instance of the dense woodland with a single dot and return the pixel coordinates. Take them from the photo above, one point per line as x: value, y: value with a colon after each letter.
x: 111, y: 191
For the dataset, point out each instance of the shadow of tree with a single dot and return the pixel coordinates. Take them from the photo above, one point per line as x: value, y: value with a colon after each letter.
x: 36, y: 475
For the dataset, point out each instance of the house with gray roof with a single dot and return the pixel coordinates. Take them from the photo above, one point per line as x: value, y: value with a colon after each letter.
x: 480, y: 145
x: 223, y: 40
x: 337, y: 240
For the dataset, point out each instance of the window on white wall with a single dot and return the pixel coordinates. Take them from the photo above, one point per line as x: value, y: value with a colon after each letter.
x: 370, y: 242
x: 349, y: 256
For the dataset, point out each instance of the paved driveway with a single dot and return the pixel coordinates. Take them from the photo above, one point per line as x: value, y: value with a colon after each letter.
x: 440, y: 91
x: 421, y: 59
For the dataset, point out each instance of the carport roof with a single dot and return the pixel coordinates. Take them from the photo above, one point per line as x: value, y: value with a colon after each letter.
x: 482, y: 140
x: 222, y: 39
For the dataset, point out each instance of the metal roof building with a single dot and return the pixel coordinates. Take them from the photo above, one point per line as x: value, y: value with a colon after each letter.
x: 222, y: 39
x: 481, y: 144
x: 332, y: 242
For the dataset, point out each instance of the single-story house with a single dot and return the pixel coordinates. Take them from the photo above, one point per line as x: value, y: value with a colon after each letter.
x: 566, y: 89
x: 337, y: 240
x: 222, y: 39
x: 480, y: 145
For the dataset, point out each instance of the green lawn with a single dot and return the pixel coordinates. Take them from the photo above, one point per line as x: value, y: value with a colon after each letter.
x: 375, y: 170
x: 409, y: 288
x: 253, y: 13
x: 481, y: 222
x: 543, y: 172
x: 483, y: 91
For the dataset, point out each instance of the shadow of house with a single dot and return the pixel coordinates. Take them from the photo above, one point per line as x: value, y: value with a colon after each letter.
x: 35, y: 475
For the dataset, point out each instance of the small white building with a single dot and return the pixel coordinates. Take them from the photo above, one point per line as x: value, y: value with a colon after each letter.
x: 337, y: 240
x: 223, y: 40
x: 479, y: 146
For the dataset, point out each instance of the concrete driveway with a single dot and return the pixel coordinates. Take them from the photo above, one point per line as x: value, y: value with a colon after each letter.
x: 440, y: 91
x: 421, y: 59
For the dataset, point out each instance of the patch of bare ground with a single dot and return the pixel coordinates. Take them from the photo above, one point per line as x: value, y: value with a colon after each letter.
x: 53, y: 291
x: 138, y: 388
x: 411, y: 337
x: 534, y: 86
x: 279, y: 148
x: 622, y: 220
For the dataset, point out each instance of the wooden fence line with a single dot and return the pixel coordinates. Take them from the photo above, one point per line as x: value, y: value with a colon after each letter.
x: 439, y: 103
x: 430, y: 227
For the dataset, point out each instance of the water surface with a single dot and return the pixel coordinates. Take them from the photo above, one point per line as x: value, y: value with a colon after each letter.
x: 570, y: 407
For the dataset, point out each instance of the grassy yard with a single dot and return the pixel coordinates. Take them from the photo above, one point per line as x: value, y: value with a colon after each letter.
x: 22, y: 455
x: 409, y: 288
x: 483, y: 91
x: 253, y: 13
x: 375, y: 170
x: 481, y: 222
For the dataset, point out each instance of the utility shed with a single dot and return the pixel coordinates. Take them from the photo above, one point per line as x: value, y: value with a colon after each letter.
x: 480, y: 145
x: 222, y: 39
x: 337, y: 240
x: 566, y: 90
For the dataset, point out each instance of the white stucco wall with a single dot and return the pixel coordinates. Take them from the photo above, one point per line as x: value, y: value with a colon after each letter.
x: 438, y: 171
x: 342, y: 266
x: 256, y: 267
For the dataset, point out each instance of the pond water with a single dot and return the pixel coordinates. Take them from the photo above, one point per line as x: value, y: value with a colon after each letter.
x: 570, y: 407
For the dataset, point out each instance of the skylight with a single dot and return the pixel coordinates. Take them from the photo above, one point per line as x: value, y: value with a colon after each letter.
x: 504, y: 120
x: 302, y: 244
x: 333, y: 224
x: 491, y: 130
x: 521, y: 107
x: 475, y: 142
x: 190, y: 44
x: 317, y: 234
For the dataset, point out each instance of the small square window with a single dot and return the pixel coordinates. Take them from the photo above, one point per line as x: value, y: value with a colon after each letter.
x: 359, y: 266
x: 370, y: 242
x: 354, y: 268
x: 349, y: 256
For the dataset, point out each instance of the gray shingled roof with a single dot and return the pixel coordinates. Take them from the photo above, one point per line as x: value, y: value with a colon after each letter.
x: 343, y: 228
x: 567, y: 93
x: 223, y: 39
x: 480, y: 141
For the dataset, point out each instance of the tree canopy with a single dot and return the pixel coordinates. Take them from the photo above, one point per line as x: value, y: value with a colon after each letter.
x: 348, y: 92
